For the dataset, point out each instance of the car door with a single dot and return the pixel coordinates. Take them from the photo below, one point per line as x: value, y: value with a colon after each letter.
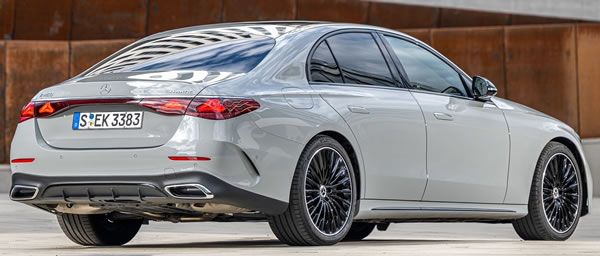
x: 351, y: 73
x: 467, y: 139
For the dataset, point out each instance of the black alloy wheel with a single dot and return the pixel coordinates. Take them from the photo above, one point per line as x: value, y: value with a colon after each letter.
x: 322, y: 197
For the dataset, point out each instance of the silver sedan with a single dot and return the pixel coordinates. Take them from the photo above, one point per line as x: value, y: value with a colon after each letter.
x: 324, y: 130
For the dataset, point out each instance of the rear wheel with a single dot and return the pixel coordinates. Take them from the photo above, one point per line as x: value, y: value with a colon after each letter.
x: 555, y: 199
x: 322, y: 197
x: 359, y: 231
x: 98, y: 229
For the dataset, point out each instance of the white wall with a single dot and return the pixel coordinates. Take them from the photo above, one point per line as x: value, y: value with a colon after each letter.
x: 570, y: 9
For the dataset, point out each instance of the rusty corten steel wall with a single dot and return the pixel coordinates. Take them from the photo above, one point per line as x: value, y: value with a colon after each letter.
x: 84, y: 54
x: 3, y: 148
x: 108, y: 19
x: 43, y: 19
x: 168, y: 14
x: 588, y: 75
x: 478, y: 51
x: 553, y: 68
x: 541, y: 69
x: 30, y: 66
x: 243, y: 10
x: 118, y: 19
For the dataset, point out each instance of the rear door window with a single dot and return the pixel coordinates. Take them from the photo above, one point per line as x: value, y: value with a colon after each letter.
x: 323, y: 67
x: 360, y: 59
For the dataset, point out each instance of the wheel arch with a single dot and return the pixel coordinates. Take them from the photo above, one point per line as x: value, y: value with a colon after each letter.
x: 575, y: 150
x: 354, y: 158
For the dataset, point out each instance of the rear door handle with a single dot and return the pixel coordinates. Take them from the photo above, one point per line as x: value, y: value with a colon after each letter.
x: 443, y: 116
x: 358, y: 110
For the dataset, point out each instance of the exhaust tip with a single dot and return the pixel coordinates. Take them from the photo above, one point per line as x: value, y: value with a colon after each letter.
x: 22, y: 193
x: 189, y: 191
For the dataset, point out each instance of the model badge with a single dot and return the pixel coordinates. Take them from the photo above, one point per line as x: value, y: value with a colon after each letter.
x: 180, y: 92
x: 105, y: 89
x: 46, y: 95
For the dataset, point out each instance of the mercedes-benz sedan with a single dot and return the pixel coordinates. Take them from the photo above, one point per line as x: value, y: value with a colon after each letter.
x: 324, y: 130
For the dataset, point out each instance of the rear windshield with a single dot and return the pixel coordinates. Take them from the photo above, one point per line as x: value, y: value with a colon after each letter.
x: 222, y: 53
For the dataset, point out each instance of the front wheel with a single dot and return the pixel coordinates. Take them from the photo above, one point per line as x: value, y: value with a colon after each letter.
x: 98, y: 229
x: 322, y: 197
x: 555, y: 199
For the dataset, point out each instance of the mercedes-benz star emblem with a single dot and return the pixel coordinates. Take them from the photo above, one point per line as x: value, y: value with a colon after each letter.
x: 105, y: 89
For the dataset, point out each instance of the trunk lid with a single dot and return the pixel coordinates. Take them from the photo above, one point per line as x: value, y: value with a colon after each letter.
x: 106, y: 91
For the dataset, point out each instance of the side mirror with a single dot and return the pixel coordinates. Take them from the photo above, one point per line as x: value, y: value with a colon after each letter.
x: 483, y: 89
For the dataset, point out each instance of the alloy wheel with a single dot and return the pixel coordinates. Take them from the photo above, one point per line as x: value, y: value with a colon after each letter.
x: 328, y: 191
x: 560, y: 193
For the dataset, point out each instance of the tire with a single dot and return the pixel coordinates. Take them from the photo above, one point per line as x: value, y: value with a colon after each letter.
x: 359, y: 231
x: 97, y: 229
x: 296, y: 226
x: 561, y: 196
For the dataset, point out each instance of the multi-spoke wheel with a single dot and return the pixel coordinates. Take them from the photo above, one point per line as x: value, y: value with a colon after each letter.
x: 560, y: 192
x: 555, y: 198
x: 328, y: 191
x: 322, y: 197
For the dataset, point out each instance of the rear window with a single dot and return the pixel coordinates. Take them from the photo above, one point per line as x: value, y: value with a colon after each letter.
x: 237, y: 53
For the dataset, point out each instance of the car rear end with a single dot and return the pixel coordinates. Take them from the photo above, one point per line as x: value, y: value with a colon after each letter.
x: 134, y: 135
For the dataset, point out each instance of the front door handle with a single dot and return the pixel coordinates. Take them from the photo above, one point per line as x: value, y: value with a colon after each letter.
x: 443, y: 116
x: 358, y: 110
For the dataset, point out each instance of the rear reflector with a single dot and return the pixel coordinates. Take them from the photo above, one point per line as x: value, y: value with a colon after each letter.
x: 23, y: 160
x: 189, y: 158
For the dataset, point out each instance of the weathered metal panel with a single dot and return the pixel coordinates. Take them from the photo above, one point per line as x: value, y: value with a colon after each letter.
x: 3, y: 155
x: 541, y: 69
x: 84, y: 54
x: 171, y: 14
x: 43, y: 19
x: 108, y: 19
x: 528, y: 19
x: 397, y: 16
x: 251, y: 10
x: 30, y: 67
x: 588, y: 72
x: 7, y: 17
x: 478, y: 51
x: 468, y: 18
x: 421, y: 34
x: 333, y: 10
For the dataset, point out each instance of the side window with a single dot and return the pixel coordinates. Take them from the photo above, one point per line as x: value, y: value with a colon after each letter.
x: 426, y: 71
x: 323, y: 67
x: 360, y: 59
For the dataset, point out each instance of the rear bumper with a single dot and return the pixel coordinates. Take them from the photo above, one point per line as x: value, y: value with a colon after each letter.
x: 138, y: 191
x: 242, y: 156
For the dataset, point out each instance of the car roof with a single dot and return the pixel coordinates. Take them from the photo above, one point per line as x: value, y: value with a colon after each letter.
x: 272, y: 29
x: 264, y: 28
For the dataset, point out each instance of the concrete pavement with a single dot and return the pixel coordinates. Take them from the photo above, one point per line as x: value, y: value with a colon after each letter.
x: 25, y: 230
x: 4, y: 178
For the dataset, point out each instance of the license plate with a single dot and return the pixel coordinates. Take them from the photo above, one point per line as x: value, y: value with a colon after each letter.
x: 107, y: 120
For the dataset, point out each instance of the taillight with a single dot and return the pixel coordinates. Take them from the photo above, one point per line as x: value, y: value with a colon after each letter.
x: 220, y: 108
x: 26, y: 112
x: 48, y: 108
x: 167, y: 106
x: 208, y: 108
